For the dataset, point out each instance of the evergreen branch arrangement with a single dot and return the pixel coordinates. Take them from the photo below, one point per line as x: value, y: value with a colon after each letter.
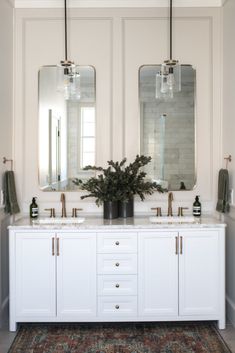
x: 118, y: 182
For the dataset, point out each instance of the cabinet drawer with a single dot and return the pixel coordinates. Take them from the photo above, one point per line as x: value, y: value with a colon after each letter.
x: 117, y: 243
x: 117, y: 285
x: 117, y: 264
x: 117, y: 306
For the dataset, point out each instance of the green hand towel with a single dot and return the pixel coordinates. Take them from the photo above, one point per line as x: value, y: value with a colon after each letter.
x: 223, y: 192
x: 9, y: 190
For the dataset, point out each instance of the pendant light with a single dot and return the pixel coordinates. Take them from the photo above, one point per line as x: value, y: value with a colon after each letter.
x: 68, y: 77
x: 168, y: 79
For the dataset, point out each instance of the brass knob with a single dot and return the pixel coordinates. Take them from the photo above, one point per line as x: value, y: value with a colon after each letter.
x: 116, y: 306
x: 117, y: 285
x: 117, y: 264
x: 117, y: 243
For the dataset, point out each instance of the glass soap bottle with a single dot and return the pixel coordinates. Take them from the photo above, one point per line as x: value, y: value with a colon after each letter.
x: 197, y: 207
x: 33, y: 209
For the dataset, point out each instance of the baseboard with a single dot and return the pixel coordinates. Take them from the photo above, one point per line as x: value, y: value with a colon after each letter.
x: 230, y: 310
x: 4, y: 315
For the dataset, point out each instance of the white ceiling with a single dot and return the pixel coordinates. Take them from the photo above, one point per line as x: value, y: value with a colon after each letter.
x: 114, y: 3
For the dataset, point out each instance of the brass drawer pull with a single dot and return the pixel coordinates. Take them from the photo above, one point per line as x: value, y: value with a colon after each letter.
x: 53, y: 246
x: 181, y: 245
x: 117, y: 264
x: 117, y: 285
x: 117, y: 307
x: 58, y: 247
x: 117, y: 243
x: 176, y: 246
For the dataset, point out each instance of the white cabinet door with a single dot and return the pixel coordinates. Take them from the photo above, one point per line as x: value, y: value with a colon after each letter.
x: 158, y: 274
x: 35, y: 274
x: 76, y: 275
x: 198, y: 272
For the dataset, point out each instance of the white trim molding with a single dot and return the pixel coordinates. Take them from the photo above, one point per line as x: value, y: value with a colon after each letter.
x: 115, y: 3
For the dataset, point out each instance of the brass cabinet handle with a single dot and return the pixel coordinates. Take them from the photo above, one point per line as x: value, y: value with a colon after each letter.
x: 53, y: 246
x: 58, y: 246
x: 117, y: 307
x: 181, y: 245
x: 117, y: 285
x: 117, y: 264
x: 176, y: 246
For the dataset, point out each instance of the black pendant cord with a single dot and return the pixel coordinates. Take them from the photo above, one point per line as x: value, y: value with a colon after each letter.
x: 170, y: 29
x: 65, y: 30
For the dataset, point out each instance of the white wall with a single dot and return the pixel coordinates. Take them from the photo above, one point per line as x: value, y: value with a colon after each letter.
x: 6, y: 86
x: 229, y: 143
x: 6, y: 104
x: 117, y: 42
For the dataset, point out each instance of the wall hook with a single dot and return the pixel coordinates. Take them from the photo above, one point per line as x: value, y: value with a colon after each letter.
x: 228, y: 159
x: 5, y: 160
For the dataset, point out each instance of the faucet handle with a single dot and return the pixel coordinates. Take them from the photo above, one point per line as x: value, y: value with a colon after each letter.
x: 159, y: 211
x: 52, y: 212
x: 74, y: 211
x: 181, y: 211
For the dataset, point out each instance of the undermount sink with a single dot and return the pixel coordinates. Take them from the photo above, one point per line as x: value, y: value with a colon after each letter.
x: 69, y: 220
x: 173, y: 219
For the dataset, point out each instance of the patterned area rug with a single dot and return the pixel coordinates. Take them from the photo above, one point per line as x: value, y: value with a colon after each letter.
x: 119, y: 338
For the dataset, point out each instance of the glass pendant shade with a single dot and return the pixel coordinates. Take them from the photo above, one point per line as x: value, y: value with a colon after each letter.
x: 68, y: 82
x: 168, y: 80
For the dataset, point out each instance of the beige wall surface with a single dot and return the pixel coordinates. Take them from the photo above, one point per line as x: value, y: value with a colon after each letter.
x: 117, y: 42
x: 6, y: 104
x: 229, y: 144
x: 6, y: 87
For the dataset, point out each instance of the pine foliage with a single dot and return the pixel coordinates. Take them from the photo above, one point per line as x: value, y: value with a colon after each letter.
x: 119, y: 182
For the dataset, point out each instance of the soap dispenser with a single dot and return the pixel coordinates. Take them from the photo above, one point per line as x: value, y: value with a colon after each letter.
x: 197, y: 207
x: 33, y: 209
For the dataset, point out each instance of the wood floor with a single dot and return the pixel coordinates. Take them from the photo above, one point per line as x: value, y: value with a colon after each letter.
x: 6, y: 338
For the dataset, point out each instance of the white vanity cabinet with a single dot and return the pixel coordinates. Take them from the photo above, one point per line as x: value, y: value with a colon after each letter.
x: 117, y: 258
x: 34, y: 271
x: 52, y: 276
x: 158, y: 274
x: 76, y: 275
x: 105, y: 273
x: 200, y: 279
x: 182, y: 273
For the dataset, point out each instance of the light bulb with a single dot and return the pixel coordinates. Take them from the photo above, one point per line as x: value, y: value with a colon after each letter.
x: 164, y: 85
x: 70, y: 83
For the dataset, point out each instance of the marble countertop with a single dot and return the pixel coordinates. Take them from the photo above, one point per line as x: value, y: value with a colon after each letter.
x: 138, y: 222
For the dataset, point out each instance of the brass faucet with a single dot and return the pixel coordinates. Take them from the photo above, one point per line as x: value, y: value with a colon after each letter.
x: 62, y: 199
x: 170, y: 199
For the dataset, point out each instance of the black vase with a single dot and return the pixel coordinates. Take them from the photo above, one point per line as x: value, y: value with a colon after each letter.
x: 110, y: 209
x: 126, y: 209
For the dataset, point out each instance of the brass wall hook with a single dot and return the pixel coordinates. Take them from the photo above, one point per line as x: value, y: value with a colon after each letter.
x: 228, y: 159
x: 5, y: 160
